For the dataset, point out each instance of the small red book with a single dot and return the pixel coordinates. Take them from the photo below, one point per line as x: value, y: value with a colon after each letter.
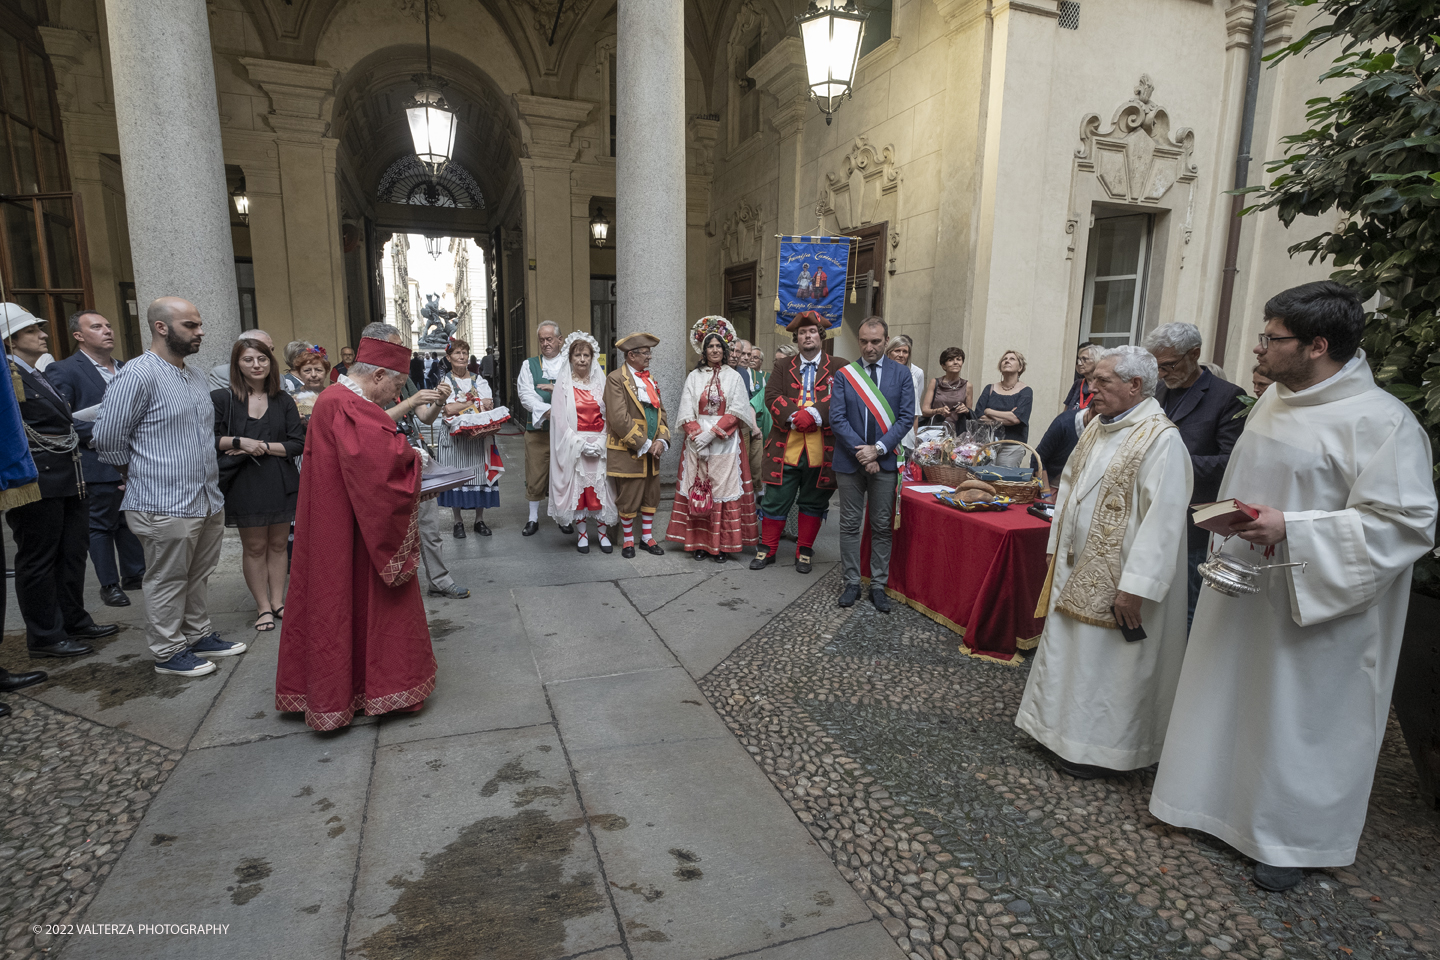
x: 1223, y: 516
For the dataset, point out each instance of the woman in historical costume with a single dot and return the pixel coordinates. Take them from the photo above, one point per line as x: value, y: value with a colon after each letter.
x: 718, y: 421
x: 468, y: 391
x: 577, y: 444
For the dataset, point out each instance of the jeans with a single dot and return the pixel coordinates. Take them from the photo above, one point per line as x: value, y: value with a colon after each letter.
x: 860, y: 491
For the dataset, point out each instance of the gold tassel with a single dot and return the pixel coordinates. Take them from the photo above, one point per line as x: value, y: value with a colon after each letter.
x: 17, y: 383
x: 777, y: 301
x: 852, y: 293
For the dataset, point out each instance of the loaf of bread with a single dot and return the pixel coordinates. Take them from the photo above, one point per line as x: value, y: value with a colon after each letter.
x: 973, y: 496
x: 980, y: 485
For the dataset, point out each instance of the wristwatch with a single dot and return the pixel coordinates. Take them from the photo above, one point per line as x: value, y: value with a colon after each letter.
x: 234, y: 443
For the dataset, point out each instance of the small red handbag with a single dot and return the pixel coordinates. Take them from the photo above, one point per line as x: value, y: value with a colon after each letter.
x: 702, y: 499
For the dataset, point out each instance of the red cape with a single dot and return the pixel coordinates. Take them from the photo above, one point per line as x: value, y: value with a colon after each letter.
x: 354, y: 638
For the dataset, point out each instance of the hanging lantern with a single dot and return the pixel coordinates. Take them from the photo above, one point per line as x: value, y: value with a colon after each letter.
x: 432, y: 122
x: 242, y: 202
x: 831, y: 30
x: 432, y: 125
x: 599, y: 228
x: 432, y: 247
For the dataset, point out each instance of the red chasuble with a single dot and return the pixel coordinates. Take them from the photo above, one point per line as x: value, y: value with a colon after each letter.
x: 355, y: 638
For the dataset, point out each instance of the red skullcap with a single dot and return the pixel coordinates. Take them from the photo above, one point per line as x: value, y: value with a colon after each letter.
x: 383, y: 353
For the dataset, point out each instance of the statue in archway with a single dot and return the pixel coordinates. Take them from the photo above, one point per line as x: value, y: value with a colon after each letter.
x: 438, y: 323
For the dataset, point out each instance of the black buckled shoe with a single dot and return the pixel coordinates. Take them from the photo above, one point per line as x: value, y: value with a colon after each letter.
x: 458, y: 531
x: 568, y: 529
x: 530, y: 529
x: 628, y: 553
x: 96, y: 631
x: 62, y: 648
x: 481, y: 528
x: 1277, y: 879
x: 849, y: 595
x: 650, y: 546
x: 113, y: 596
x: 10, y: 682
x: 720, y: 557
x: 802, y: 563
x: 879, y: 600
x: 763, y: 559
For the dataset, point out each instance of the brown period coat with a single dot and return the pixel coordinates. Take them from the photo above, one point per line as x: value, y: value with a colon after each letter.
x: 782, y: 398
x: 625, y: 424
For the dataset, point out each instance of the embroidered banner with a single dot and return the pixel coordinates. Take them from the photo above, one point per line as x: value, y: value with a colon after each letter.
x: 813, y: 272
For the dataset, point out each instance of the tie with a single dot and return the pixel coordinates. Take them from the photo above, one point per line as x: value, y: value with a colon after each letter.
x: 652, y: 396
x: 869, y: 420
x: 807, y: 378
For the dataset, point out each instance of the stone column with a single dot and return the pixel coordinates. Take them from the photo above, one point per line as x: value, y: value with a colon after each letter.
x: 171, y: 160
x: 547, y: 130
x: 650, y: 188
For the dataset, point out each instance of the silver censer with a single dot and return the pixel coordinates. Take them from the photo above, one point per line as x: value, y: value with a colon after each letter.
x: 1235, y: 576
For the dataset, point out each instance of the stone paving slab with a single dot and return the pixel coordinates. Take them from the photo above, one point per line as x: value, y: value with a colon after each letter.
x: 862, y: 941
x: 705, y: 624
x: 590, y: 630
x: 244, y: 711
x: 650, y: 706
x: 260, y: 836
x: 713, y: 862
x: 486, y: 678
x: 118, y: 686
x: 651, y: 593
x: 485, y: 845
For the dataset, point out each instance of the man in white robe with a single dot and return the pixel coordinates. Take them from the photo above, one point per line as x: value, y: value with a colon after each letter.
x: 1117, y: 547
x: 1283, y: 698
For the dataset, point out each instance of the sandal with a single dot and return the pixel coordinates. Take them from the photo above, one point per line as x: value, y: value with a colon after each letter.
x: 280, y: 612
x: 265, y: 627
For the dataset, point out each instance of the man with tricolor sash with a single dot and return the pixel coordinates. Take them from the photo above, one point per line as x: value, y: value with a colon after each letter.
x: 871, y: 410
x: 796, y: 465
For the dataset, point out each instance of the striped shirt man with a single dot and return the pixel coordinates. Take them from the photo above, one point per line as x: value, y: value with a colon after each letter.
x: 159, y: 419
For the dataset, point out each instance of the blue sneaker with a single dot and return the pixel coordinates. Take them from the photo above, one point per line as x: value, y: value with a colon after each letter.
x: 185, y: 664
x: 211, y: 645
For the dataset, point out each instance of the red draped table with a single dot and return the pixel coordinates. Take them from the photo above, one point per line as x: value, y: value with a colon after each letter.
x: 980, y: 574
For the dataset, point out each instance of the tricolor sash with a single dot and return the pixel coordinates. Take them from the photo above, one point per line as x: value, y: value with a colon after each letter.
x: 870, y: 395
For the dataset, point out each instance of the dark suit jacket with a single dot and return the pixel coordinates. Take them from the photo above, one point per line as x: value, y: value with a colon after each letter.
x: 82, y: 386
x: 44, y: 412
x: 848, y: 414
x: 1206, y: 418
x: 747, y: 377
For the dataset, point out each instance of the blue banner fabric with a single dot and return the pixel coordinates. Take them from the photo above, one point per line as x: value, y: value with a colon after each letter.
x: 813, y: 271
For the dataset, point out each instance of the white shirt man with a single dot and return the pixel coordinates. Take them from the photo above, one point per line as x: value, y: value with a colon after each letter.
x: 1284, y: 696
x: 534, y: 386
x: 1097, y: 699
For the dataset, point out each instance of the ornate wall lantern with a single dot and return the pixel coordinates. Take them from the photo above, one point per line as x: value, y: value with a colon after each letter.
x: 831, y: 30
x: 242, y: 202
x: 599, y: 228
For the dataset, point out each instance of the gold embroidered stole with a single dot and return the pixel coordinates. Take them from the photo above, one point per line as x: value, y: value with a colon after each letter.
x: 1090, y: 592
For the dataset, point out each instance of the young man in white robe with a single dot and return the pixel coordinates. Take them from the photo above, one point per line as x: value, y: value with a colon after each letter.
x: 1117, y: 551
x: 1283, y: 698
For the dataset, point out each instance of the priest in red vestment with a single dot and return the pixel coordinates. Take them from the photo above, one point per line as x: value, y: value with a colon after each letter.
x: 355, y: 638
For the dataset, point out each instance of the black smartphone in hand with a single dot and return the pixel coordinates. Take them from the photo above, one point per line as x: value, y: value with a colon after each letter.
x: 1131, y: 634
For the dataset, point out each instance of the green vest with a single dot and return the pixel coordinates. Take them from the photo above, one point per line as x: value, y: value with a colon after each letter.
x: 538, y: 375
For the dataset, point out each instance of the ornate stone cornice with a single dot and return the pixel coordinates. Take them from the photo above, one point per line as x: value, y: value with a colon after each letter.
x: 548, y: 124
x: 1240, y: 15
x: 960, y: 14
x: 300, y: 95
x: 781, y: 73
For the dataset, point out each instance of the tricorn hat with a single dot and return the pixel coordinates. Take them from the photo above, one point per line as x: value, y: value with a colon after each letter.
x: 806, y: 318
x: 636, y: 341
x: 383, y: 353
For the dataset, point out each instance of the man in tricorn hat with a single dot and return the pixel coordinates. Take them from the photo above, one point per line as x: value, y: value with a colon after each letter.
x: 355, y: 636
x: 796, y: 466
x: 639, y: 437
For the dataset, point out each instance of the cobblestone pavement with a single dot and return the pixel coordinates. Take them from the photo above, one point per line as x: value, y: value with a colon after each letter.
x: 901, y: 757
x: 74, y: 793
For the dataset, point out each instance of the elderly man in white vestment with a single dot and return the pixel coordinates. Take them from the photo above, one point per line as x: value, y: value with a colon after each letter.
x: 1283, y: 699
x: 1117, y: 547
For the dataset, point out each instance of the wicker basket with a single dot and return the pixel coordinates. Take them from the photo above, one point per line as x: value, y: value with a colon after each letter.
x: 948, y: 474
x: 1017, y: 492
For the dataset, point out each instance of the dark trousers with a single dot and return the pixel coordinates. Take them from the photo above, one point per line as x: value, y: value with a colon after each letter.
x: 50, y: 537
x: 108, y: 533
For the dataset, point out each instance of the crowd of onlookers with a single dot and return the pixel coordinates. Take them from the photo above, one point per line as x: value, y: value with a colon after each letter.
x: 184, y: 474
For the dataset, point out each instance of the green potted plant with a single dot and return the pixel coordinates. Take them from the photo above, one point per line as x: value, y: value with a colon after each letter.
x: 1372, y: 153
